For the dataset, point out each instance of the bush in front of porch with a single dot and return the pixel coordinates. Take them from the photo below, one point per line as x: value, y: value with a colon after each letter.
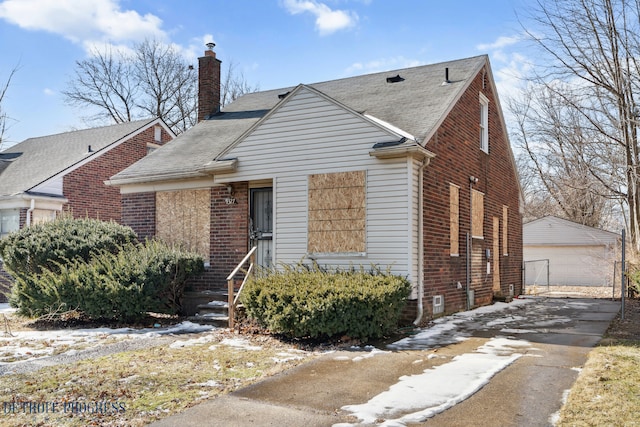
x: 310, y: 302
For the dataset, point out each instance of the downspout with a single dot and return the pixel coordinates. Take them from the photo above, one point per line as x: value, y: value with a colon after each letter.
x: 30, y: 212
x: 420, y: 310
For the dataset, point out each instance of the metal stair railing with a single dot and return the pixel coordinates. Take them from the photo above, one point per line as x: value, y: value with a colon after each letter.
x: 232, y: 300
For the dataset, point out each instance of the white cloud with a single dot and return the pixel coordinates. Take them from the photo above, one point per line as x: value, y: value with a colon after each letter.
x: 383, y: 64
x: 83, y: 22
x: 327, y: 21
x: 49, y: 92
x: 500, y: 43
x: 196, y: 47
x: 510, y: 64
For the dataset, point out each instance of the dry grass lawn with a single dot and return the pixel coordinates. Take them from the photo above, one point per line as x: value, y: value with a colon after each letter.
x: 134, y: 388
x: 607, y: 392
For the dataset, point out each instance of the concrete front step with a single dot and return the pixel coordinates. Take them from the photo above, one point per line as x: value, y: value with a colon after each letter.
x: 218, y: 321
x: 192, y: 301
x: 213, y: 307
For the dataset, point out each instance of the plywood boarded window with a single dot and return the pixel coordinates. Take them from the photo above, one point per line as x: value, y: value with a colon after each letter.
x: 477, y: 208
x: 40, y: 216
x: 184, y: 218
x: 505, y: 230
x: 454, y: 219
x: 337, y: 212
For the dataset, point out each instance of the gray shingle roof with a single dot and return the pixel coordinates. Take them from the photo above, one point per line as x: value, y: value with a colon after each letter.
x: 34, y: 160
x: 416, y: 105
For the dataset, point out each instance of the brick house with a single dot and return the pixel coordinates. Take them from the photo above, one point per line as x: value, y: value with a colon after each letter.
x: 408, y: 169
x: 43, y: 176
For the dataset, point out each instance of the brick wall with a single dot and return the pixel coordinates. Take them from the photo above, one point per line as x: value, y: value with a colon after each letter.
x: 85, y: 189
x: 229, y: 235
x: 139, y: 213
x: 458, y: 156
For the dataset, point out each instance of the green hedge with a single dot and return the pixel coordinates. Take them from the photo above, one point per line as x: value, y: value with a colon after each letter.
x: 122, y: 286
x: 40, y: 247
x: 309, y: 302
x: 94, y: 267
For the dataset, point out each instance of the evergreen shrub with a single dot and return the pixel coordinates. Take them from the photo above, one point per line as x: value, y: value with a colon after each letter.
x: 310, y: 302
x: 46, y: 246
x: 95, y: 268
x: 121, y: 286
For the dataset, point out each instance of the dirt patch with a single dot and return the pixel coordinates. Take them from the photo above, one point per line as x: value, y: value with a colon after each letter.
x: 627, y: 328
x: 574, y: 291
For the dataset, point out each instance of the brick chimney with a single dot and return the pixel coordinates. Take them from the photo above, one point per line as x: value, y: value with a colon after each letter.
x: 208, y: 83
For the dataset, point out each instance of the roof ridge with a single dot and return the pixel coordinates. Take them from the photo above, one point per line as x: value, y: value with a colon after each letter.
x: 373, y: 74
x: 89, y: 129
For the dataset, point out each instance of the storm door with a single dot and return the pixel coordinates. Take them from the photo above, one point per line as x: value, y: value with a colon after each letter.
x: 261, y: 225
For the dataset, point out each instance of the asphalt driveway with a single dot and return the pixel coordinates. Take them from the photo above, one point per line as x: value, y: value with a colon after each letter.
x: 503, y: 365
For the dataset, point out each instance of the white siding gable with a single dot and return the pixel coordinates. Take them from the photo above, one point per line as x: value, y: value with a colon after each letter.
x: 51, y: 186
x: 309, y: 134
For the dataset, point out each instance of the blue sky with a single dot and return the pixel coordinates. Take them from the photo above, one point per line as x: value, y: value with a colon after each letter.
x: 274, y: 43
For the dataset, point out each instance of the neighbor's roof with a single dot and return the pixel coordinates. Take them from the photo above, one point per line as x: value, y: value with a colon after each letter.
x: 34, y: 160
x: 415, y: 105
x: 554, y: 231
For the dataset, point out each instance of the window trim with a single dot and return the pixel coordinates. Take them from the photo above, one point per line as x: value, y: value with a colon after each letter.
x: 484, y: 123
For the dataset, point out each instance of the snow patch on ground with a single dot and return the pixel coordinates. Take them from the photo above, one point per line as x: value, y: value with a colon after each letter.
x: 18, y: 346
x: 414, y: 398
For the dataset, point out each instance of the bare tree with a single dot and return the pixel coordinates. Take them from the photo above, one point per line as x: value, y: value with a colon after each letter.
x: 234, y: 85
x: 557, y: 163
x: 4, y: 118
x: 593, y: 49
x: 153, y: 80
x: 105, y: 80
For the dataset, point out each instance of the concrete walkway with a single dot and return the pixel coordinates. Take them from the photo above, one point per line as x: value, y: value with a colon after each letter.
x: 528, y: 392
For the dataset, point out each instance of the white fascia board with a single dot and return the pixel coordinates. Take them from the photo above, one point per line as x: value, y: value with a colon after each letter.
x: 23, y: 200
x: 152, y: 187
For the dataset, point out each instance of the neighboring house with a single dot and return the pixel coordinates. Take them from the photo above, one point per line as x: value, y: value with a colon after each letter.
x: 41, y: 177
x: 576, y: 254
x: 392, y: 169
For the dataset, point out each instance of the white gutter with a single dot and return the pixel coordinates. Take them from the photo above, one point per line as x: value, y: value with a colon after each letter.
x: 140, y: 179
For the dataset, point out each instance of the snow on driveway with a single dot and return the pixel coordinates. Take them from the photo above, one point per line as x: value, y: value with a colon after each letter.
x: 415, y: 398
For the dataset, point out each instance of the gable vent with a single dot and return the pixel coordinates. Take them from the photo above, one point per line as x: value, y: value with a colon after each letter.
x: 395, y: 79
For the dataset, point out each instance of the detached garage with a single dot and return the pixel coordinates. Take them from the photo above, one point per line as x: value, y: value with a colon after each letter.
x: 577, y: 254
